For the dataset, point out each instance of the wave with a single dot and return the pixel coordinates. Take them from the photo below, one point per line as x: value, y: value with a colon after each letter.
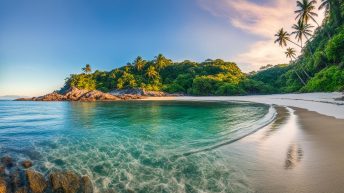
x: 259, y: 124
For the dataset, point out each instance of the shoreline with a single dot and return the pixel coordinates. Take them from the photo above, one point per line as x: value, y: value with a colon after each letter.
x: 300, y: 151
x: 323, y: 103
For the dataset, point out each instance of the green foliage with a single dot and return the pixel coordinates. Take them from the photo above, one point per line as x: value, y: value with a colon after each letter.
x: 82, y: 81
x: 329, y: 80
x: 335, y: 48
x: 318, y: 68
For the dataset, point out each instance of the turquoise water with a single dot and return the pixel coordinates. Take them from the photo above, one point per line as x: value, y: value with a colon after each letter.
x: 141, y: 146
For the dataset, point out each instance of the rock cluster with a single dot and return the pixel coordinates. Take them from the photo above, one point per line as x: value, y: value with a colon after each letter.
x: 140, y: 92
x: 20, y: 178
x: 75, y: 94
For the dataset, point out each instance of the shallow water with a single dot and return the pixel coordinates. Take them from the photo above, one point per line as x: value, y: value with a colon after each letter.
x: 161, y: 146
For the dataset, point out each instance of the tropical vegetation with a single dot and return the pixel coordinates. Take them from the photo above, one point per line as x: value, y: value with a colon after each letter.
x: 318, y: 66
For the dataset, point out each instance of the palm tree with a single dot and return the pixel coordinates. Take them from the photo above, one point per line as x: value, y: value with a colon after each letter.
x: 139, y: 63
x: 302, y: 29
x: 161, y: 62
x: 87, y: 69
x: 283, y: 37
x: 291, y: 53
x: 151, y: 73
x: 306, y: 11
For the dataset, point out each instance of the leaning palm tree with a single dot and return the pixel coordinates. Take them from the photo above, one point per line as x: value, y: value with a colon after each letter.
x: 291, y: 53
x: 302, y: 30
x: 283, y: 37
x: 306, y: 11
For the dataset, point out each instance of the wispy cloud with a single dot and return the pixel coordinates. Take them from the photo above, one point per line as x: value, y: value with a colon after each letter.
x: 259, y: 19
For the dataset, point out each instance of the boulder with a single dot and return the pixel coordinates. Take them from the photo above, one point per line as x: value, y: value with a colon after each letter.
x: 22, y: 190
x: 17, y: 179
x: 86, y: 185
x: 3, y: 186
x: 7, y: 161
x: 97, y: 96
x: 64, y: 182
x: 26, y: 164
x: 36, y: 181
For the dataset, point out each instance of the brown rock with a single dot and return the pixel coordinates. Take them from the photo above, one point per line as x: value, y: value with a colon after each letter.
x: 22, y: 190
x: 3, y: 186
x: 27, y: 164
x: 64, y: 182
x: 37, y: 183
x: 86, y: 185
x: 7, y: 161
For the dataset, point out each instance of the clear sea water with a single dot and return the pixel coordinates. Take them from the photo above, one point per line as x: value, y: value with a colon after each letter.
x: 140, y: 146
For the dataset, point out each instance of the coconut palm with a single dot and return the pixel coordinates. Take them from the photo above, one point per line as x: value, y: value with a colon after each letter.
x: 151, y: 73
x: 139, y: 63
x: 87, y: 69
x: 306, y: 11
x: 302, y: 29
x: 283, y: 37
x: 161, y: 61
x: 291, y: 53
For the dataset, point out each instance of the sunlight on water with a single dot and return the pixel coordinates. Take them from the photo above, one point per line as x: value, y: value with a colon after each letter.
x: 139, y: 146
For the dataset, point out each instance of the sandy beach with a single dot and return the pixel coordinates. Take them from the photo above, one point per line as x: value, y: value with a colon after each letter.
x: 300, y: 151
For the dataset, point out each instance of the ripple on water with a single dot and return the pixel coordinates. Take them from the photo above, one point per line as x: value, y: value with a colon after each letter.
x: 136, y: 146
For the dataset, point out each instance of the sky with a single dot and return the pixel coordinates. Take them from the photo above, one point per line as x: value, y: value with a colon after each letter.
x: 44, y: 41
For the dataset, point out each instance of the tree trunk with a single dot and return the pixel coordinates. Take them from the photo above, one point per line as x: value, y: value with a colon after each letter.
x: 297, y: 74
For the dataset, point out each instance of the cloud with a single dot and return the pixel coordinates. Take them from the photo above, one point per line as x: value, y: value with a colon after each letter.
x: 259, y: 19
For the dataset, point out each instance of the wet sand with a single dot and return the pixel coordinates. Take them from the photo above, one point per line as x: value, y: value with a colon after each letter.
x: 301, y: 151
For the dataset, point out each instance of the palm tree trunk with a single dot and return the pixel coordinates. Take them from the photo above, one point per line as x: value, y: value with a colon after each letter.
x: 328, y: 34
x: 303, y: 70
x: 295, y: 44
x: 297, y: 74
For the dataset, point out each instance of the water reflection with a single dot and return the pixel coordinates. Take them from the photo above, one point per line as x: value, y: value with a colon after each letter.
x: 294, y: 156
x: 281, y: 119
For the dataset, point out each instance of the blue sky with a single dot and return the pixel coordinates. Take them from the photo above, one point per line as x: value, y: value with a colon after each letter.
x: 43, y: 41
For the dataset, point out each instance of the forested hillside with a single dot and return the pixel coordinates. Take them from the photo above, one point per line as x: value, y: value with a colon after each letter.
x: 319, y: 66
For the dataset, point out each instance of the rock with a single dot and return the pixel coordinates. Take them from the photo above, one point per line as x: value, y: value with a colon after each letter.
x: 64, y: 182
x: 22, y: 190
x: 2, y: 170
x: 7, y: 161
x: 137, y: 93
x: 86, y: 185
x: 75, y: 94
x: 36, y: 181
x: 18, y: 179
x: 26, y: 164
x: 97, y: 96
x: 3, y: 186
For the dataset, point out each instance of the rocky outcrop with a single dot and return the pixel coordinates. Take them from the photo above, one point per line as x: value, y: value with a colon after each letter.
x: 36, y: 181
x: 140, y: 92
x: 16, y: 178
x: 75, y: 94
